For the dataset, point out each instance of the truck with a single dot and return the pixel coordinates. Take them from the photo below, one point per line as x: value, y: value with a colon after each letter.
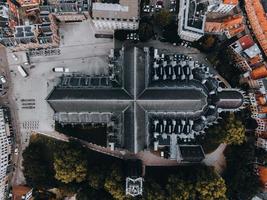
x: 61, y: 69
x: 22, y: 71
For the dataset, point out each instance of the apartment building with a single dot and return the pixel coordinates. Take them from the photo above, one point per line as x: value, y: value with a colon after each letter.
x: 5, y: 151
x: 229, y: 26
x: 257, y: 18
x: 245, y: 53
x: 115, y: 14
x: 193, y: 19
x: 191, y: 22
x: 222, y: 6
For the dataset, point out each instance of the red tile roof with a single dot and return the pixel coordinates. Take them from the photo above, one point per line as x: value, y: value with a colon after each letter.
x: 246, y: 42
x: 263, y: 175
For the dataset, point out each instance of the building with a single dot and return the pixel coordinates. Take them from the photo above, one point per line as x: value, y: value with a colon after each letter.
x: 116, y: 14
x: 245, y: 53
x: 20, y: 192
x: 5, y: 152
x: 159, y: 102
x: 33, y: 24
x: 229, y: 26
x: 262, y: 172
x: 191, y: 19
x: 261, y: 143
x: 258, y: 21
x: 222, y: 6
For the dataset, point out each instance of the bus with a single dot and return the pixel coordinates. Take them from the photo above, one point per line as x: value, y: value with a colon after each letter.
x: 22, y: 71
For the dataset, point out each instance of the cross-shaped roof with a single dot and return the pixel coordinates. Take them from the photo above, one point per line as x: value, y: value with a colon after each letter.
x: 152, y: 88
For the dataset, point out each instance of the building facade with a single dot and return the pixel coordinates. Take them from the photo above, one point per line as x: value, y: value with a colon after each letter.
x: 191, y: 22
x: 222, y: 6
x: 5, y: 151
x: 123, y: 14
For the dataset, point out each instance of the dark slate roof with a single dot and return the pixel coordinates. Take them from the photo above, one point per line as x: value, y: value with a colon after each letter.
x: 173, y: 100
x: 88, y: 105
x: 129, y: 128
x: 128, y: 70
x: 191, y: 153
x: 88, y: 93
x: 229, y: 99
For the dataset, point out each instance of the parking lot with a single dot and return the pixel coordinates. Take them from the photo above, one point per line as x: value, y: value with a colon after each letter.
x: 79, y: 53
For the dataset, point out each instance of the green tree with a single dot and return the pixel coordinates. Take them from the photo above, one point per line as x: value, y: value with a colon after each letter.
x: 163, y: 18
x: 214, y: 189
x: 242, y: 182
x: 114, y: 183
x: 196, y: 182
x: 96, y: 177
x: 153, y: 191
x: 234, y: 130
x: 230, y: 131
x: 38, y: 166
x: 70, y: 164
x: 145, y: 31
x: 179, y: 189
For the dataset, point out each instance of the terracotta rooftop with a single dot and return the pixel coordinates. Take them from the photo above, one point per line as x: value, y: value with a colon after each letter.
x: 259, y: 72
x: 232, y: 2
x: 263, y: 175
x: 246, y: 42
x: 232, y: 25
x: 258, y: 21
x: 19, y: 191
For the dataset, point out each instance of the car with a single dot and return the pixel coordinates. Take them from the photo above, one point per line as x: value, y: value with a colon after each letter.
x: 2, y: 79
x: 14, y: 56
x: 16, y: 151
x: 146, y: 9
x: 159, y: 5
x: 152, y: 8
x: 173, y: 9
x: 173, y: 2
x: 60, y: 69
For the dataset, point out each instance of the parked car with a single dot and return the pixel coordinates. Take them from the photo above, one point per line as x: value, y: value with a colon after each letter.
x: 2, y: 79
x: 16, y: 151
x: 15, y: 57
x: 61, y: 69
x: 159, y: 5
x: 146, y: 9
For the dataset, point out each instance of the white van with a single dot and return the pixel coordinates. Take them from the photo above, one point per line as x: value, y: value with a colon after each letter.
x: 61, y: 69
x: 22, y: 71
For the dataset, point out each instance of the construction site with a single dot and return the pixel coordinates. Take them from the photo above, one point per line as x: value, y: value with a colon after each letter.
x: 34, y: 24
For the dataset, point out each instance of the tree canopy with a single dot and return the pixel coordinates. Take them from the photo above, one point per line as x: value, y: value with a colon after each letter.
x: 70, y: 164
x: 241, y: 180
x: 145, y: 31
x: 163, y: 18
x: 230, y: 131
x: 38, y: 166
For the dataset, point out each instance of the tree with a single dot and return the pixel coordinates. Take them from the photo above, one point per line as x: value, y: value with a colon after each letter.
x: 153, y: 191
x: 214, y: 189
x: 114, y: 183
x: 145, y: 31
x: 69, y: 164
x: 233, y: 130
x: 38, y: 166
x: 179, y: 189
x: 121, y: 34
x: 163, y: 18
x: 230, y: 131
x: 96, y: 177
x: 170, y: 32
x: 242, y: 183
x: 92, y: 194
x: 197, y: 182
